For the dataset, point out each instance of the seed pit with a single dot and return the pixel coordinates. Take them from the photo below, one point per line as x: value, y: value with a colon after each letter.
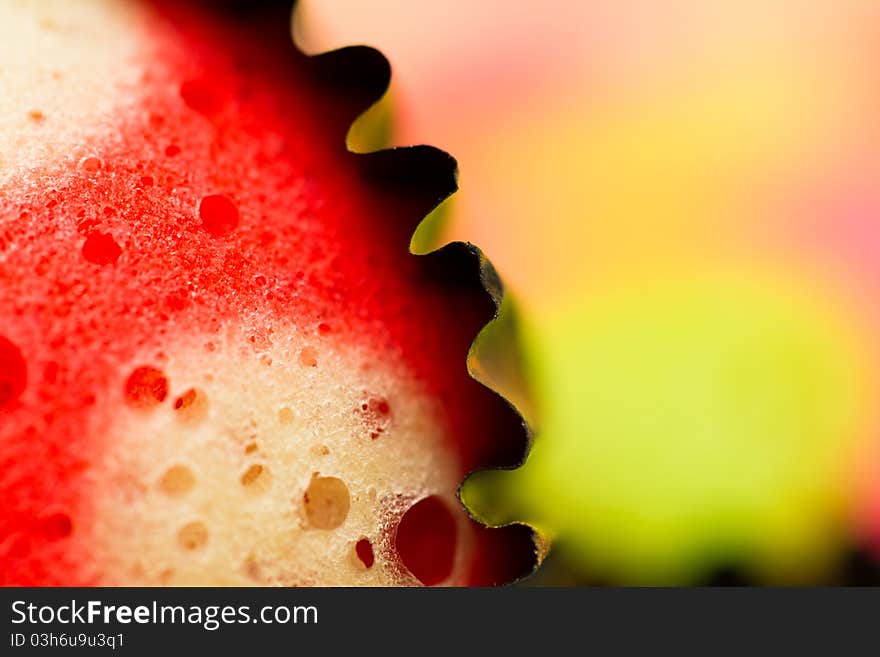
x: 177, y: 301
x: 56, y: 526
x: 380, y: 406
x: 364, y: 550
x: 285, y: 415
x: 91, y: 163
x: 13, y: 372
x: 146, y: 387
x: 252, y: 567
x: 308, y: 357
x: 377, y: 414
x: 255, y: 478
x: 425, y: 540
x: 219, y: 215
x: 177, y: 480
x: 200, y: 96
x: 101, y: 249
x: 327, y: 502
x: 191, y: 406
x: 192, y: 535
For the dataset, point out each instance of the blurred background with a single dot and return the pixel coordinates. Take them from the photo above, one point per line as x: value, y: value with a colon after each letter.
x: 682, y: 198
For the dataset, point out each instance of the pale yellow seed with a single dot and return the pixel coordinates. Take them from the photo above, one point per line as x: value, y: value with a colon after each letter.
x: 256, y: 478
x: 192, y: 535
x: 177, y: 480
x: 327, y: 502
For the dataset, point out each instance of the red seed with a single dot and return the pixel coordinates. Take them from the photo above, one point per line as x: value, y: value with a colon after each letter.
x: 91, y: 163
x: 425, y: 540
x: 364, y: 550
x: 377, y: 412
x: 101, y: 249
x: 178, y: 300
x: 218, y: 214
x: 56, y: 526
x: 13, y: 372
x: 200, y: 96
x: 380, y: 406
x: 145, y: 387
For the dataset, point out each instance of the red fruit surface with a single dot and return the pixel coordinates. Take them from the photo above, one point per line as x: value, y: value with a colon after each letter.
x: 220, y: 197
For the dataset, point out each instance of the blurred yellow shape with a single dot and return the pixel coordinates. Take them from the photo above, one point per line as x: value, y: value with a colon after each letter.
x: 707, y: 419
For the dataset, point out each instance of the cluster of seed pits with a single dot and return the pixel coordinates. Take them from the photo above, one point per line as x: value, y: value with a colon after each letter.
x: 278, y: 471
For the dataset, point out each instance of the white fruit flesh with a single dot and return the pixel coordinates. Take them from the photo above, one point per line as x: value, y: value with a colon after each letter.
x: 66, y: 70
x: 229, y: 488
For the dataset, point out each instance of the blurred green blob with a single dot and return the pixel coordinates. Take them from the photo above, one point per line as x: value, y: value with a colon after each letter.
x: 498, y: 359
x: 374, y: 129
x: 689, y: 425
x: 428, y: 236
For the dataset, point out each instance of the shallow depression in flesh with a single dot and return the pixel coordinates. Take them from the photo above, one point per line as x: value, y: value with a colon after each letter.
x: 228, y: 468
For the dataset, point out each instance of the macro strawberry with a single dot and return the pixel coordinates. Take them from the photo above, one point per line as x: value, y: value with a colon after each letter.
x: 219, y: 362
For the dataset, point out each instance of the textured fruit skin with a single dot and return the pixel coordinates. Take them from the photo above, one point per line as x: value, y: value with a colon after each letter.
x: 224, y: 195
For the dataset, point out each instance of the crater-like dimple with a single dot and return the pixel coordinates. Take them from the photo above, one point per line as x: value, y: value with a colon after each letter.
x: 193, y: 535
x: 177, y: 480
x: 13, y: 372
x: 308, y: 357
x: 91, y: 163
x: 146, y: 387
x: 326, y: 502
x: 191, y: 406
x: 256, y: 478
x: 56, y: 526
x: 377, y: 414
x: 219, y: 215
x: 285, y: 415
x: 101, y: 249
x: 425, y: 540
